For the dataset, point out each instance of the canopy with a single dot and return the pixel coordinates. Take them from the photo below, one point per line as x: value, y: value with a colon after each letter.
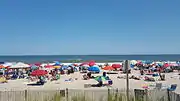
x: 94, y: 69
x: 39, y: 73
x: 19, y: 65
x: 108, y: 68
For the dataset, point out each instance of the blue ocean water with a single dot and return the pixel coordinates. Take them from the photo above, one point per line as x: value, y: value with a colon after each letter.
x: 36, y: 58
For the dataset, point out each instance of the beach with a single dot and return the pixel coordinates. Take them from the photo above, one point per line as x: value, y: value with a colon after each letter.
x: 171, y: 78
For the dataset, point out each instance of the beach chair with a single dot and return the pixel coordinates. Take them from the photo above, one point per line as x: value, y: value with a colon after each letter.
x: 173, y: 87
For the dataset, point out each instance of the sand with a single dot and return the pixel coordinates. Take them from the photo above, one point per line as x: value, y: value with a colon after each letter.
x: 171, y: 78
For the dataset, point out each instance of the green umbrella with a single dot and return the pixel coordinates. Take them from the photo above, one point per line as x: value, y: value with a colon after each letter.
x: 100, y: 78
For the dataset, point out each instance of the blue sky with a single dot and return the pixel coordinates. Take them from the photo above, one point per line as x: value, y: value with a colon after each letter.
x: 48, y: 27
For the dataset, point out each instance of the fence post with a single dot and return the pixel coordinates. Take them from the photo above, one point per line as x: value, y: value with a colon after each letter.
x: 108, y: 94
x: 168, y: 95
x: 146, y: 94
x: 26, y: 99
x: 116, y: 96
x: 67, y: 94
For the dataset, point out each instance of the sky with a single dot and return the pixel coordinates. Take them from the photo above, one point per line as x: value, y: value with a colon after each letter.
x: 84, y: 27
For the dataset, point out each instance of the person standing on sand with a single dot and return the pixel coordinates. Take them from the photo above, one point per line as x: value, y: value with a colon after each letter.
x: 142, y: 72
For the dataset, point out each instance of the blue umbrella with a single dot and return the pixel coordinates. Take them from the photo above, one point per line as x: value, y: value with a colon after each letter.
x: 63, y: 67
x: 94, y: 69
x: 57, y: 63
x: 34, y: 67
x: 148, y: 62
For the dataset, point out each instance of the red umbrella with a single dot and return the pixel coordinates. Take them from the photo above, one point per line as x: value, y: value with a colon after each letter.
x: 92, y: 63
x: 39, y: 73
x: 48, y: 66
x: 84, y: 63
x: 166, y: 65
x: 38, y: 64
x: 115, y: 66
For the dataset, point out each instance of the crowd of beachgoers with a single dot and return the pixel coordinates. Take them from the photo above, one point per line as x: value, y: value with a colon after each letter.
x: 104, y: 74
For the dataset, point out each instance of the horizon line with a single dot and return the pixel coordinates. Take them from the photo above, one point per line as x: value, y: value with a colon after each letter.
x: 85, y: 54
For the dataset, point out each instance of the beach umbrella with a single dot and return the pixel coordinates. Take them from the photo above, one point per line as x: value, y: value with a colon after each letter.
x: 92, y: 63
x: 100, y: 78
x: 166, y: 65
x: 75, y: 64
x: 108, y: 68
x: 37, y: 64
x: 48, y: 66
x: 1, y: 66
x: 133, y: 62
x: 57, y: 65
x: 115, y: 66
x: 84, y: 63
x: 64, y: 67
x: 39, y: 73
x: 93, y: 69
x: 19, y: 65
x: 7, y: 64
x: 34, y: 67
x: 148, y: 62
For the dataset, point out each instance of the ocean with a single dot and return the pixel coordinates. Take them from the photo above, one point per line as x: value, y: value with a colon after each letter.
x: 49, y: 58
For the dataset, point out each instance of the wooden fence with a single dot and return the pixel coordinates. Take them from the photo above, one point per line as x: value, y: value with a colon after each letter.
x: 87, y: 94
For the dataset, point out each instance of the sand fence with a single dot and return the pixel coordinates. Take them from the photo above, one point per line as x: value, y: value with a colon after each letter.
x: 89, y: 94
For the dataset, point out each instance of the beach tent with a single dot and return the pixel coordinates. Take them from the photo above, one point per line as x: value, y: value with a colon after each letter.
x: 93, y: 69
x: 19, y: 65
x: 108, y: 68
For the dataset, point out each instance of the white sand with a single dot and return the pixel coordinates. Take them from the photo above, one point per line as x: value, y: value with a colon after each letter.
x: 79, y: 84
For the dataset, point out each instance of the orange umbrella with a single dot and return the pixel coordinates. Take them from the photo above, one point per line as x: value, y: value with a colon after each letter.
x: 108, y: 68
x: 1, y: 66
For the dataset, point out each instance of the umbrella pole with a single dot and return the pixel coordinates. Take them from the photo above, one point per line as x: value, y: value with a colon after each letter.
x: 127, y: 78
